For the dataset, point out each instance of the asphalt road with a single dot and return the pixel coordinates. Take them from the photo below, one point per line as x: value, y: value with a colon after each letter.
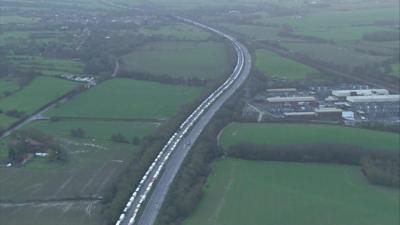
x: 146, y: 201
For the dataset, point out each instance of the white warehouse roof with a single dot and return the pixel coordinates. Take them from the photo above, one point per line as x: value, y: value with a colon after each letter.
x: 281, y: 89
x: 299, y: 114
x: 344, y: 93
x: 328, y: 110
x: 292, y: 99
x: 373, y: 98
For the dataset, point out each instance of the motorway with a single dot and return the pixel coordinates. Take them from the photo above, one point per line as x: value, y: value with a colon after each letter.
x: 146, y: 201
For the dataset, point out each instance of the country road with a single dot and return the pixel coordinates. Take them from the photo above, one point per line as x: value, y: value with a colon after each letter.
x: 145, y: 203
x: 38, y: 115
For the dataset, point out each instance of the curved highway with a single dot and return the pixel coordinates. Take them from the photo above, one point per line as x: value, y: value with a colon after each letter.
x: 144, y: 204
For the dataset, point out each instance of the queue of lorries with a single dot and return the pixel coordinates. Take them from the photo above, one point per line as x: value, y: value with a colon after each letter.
x: 154, y: 171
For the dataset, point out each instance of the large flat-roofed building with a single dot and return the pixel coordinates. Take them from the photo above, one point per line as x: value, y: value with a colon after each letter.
x: 292, y: 99
x: 373, y: 98
x: 281, y: 90
x: 329, y: 113
x: 365, y: 92
x: 300, y: 115
x: 328, y: 110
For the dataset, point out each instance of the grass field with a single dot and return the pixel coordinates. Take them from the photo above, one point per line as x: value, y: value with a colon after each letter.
x: 204, y: 60
x: 17, y: 20
x: 254, y: 31
x: 38, y: 93
x: 129, y: 99
x: 13, y: 37
x: 91, y: 168
x: 65, y: 213
x: 348, y: 25
x: 277, y: 66
x: 189, y: 4
x: 100, y: 130
x: 341, y: 18
x: 335, y: 54
x: 7, y: 85
x: 6, y: 121
x: 48, y: 66
x: 396, y: 70
x: 245, y: 192
x: 295, y: 134
x: 18, y: 37
x: 178, y: 31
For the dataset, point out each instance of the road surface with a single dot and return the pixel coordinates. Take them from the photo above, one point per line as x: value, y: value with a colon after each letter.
x: 144, y: 204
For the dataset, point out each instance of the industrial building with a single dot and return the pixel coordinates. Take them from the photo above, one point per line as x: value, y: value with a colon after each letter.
x: 364, y: 92
x: 292, y: 99
x: 274, y: 90
x: 346, y: 102
x: 373, y: 98
x: 300, y: 115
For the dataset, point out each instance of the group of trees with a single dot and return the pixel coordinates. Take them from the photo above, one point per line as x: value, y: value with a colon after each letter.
x: 77, y: 133
x: 31, y: 141
x: 382, y: 171
x: 120, y: 138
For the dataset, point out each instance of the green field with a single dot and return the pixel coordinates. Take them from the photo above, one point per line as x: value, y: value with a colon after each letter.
x: 396, y: 70
x: 6, y: 121
x: 204, y: 60
x: 13, y: 37
x: 96, y: 129
x: 295, y: 134
x: 348, y: 25
x: 188, y: 4
x: 245, y: 192
x: 7, y: 85
x: 255, y: 32
x: 336, y: 54
x: 90, y: 169
x: 48, y: 66
x: 277, y: 66
x: 128, y: 99
x: 178, y: 31
x: 17, y: 20
x: 38, y: 93
x: 341, y: 18
x: 65, y: 213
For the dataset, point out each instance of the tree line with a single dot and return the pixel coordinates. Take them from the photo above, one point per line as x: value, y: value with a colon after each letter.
x: 380, y: 167
x: 164, y: 79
